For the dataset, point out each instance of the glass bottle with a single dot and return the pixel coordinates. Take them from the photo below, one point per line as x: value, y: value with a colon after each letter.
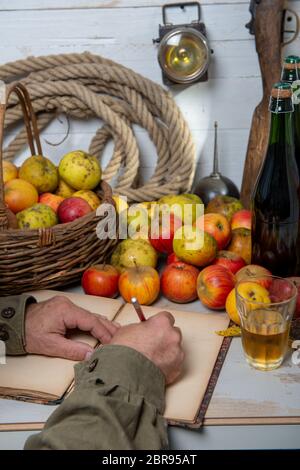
x: 275, y: 201
x: 291, y: 74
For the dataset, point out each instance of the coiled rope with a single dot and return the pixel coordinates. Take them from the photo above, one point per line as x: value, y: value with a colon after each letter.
x: 86, y: 85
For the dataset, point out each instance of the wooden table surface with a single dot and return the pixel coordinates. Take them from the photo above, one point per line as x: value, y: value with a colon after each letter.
x: 249, y: 408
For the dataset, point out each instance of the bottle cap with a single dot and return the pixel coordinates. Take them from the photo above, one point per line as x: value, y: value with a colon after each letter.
x: 281, y: 90
x: 291, y: 62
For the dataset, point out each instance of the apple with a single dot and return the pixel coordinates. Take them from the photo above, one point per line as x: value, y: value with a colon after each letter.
x: 281, y: 290
x: 172, y: 258
x: 194, y: 246
x: 161, y: 236
x: 141, y: 282
x: 72, y: 208
x: 216, y: 225
x: 179, y: 282
x: 138, y: 221
x: 131, y: 253
x: 241, y: 219
x: 253, y: 292
x: 231, y: 308
x: 51, y: 200
x: 229, y: 260
x: 296, y: 281
x: 213, y: 286
x: 225, y: 205
x: 183, y: 206
x: 254, y: 272
x: 101, y: 279
x: 241, y: 243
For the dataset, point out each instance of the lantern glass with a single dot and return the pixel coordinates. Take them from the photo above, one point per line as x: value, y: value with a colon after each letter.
x: 184, y: 55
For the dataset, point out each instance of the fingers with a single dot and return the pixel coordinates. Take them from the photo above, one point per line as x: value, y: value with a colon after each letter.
x: 163, y: 316
x: 69, y: 349
x: 76, y: 317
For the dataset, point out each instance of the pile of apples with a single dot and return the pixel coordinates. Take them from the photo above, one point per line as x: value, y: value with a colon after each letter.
x: 40, y: 195
x: 208, y: 272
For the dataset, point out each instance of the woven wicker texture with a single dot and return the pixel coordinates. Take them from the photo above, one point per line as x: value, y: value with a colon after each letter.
x: 55, y: 256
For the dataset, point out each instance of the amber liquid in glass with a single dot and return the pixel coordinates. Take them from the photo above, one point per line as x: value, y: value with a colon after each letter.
x: 265, y: 338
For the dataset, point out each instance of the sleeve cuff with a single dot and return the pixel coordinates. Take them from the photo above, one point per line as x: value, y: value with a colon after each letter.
x: 125, y: 367
x: 12, y: 323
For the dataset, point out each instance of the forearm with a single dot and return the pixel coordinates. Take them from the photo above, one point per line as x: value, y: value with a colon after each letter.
x: 12, y: 322
x: 117, y: 403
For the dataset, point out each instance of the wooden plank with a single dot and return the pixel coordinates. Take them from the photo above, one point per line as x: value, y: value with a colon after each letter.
x: 86, y: 4
x: 78, y: 26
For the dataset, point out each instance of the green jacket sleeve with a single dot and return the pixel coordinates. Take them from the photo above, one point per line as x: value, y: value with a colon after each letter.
x: 117, y: 403
x: 12, y: 320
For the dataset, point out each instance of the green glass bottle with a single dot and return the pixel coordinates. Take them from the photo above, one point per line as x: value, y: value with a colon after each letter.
x: 275, y: 201
x: 291, y: 74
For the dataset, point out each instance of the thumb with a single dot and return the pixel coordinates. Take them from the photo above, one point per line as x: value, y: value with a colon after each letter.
x: 73, y: 350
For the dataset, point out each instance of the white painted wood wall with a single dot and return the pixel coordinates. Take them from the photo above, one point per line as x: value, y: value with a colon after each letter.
x: 123, y: 31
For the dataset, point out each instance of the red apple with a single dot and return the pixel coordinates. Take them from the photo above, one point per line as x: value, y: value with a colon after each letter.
x: 296, y: 281
x: 141, y: 282
x: 161, y: 237
x: 229, y: 260
x: 101, y: 279
x: 179, y: 282
x: 281, y: 290
x: 241, y: 219
x: 254, y: 272
x: 172, y: 258
x: 72, y: 208
x: 214, y: 283
x: 216, y: 225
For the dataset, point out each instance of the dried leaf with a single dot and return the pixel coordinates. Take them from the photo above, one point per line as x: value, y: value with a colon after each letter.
x: 234, y: 330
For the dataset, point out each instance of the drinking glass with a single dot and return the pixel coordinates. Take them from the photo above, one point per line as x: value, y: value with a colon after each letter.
x: 266, y: 305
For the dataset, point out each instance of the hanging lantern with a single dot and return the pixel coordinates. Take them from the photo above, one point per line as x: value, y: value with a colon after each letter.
x: 183, y: 52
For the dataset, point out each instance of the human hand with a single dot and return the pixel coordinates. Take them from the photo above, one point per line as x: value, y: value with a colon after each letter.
x: 46, y: 325
x: 158, y: 339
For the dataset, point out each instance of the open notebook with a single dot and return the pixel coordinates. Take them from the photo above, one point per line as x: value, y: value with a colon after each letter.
x: 43, y: 379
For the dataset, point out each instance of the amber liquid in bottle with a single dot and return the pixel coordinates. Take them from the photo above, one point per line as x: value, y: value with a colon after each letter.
x: 275, y: 201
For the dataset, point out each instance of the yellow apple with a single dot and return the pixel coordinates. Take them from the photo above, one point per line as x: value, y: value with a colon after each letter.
x: 121, y: 204
x: 90, y: 197
x: 231, y: 307
x: 132, y: 253
x: 80, y: 170
x: 194, y: 246
x: 253, y: 292
x: 182, y: 206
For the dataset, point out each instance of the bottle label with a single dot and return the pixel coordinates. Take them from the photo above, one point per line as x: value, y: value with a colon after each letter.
x: 296, y: 91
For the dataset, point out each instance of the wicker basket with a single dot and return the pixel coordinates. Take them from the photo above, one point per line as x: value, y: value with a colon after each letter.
x: 52, y: 257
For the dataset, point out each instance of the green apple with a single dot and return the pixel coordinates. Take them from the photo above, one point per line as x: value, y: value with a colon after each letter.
x: 182, y: 206
x: 130, y: 253
x: 225, y: 205
x: 194, y: 246
x: 193, y: 197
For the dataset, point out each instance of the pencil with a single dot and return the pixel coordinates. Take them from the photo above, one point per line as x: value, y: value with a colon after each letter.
x: 138, y: 309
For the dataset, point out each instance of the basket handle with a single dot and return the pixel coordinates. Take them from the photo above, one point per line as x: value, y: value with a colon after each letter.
x: 32, y: 136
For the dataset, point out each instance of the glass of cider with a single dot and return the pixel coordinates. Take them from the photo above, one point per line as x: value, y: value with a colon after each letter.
x: 266, y: 305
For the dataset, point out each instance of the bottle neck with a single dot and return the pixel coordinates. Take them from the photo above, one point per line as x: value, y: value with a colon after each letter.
x: 290, y: 75
x: 281, y: 130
